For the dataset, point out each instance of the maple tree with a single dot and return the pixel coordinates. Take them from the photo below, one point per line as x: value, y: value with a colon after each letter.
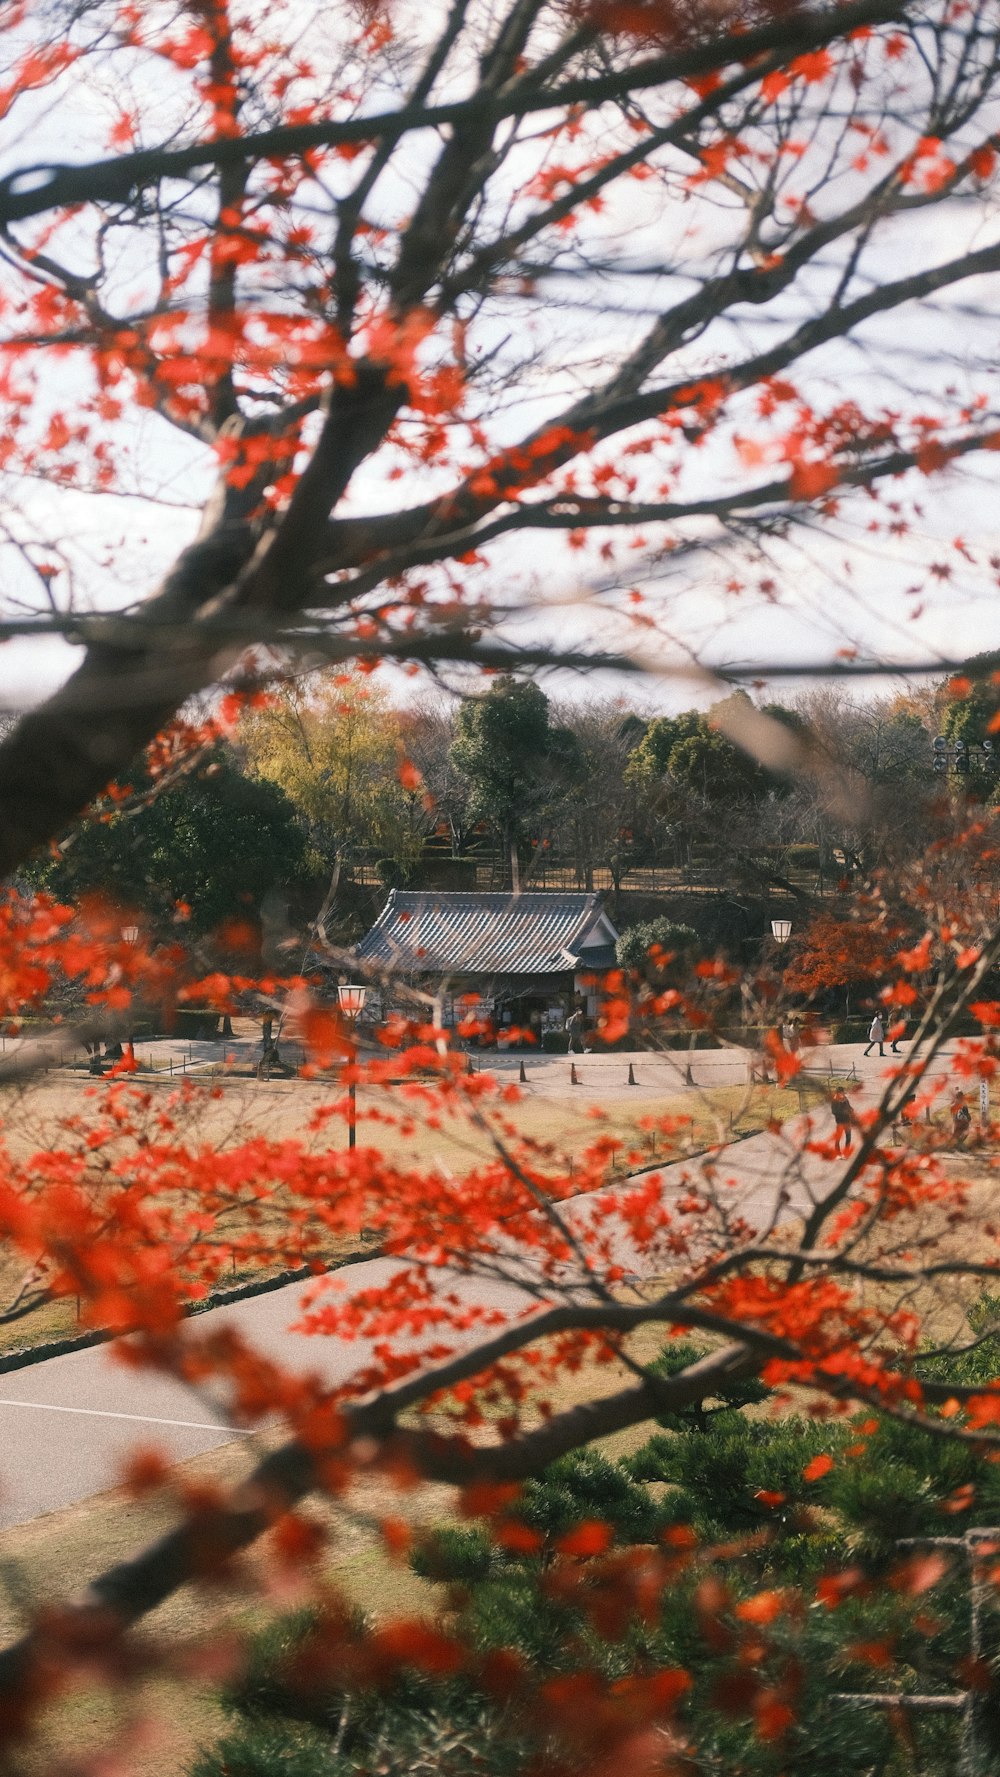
x: 839, y: 952
x: 336, y: 283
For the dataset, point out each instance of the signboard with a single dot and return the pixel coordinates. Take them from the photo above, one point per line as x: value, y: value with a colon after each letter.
x: 984, y: 1101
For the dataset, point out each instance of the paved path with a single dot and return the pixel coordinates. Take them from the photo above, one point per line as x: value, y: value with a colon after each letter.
x: 670, y: 1071
x: 67, y: 1425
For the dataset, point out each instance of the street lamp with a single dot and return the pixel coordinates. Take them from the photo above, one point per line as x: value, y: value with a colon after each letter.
x: 130, y: 934
x: 781, y: 930
x: 960, y: 756
x: 352, y: 996
x: 352, y: 1000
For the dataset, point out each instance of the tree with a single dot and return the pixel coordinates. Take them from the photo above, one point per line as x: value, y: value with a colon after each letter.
x: 212, y: 845
x: 428, y: 730
x: 334, y: 289
x: 655, y: 935
x: 514, y: 763
x: 970, y: 702
x: 701, y: 787
x: 603, y: 819
x: 334, y: 748
x: 650, y: 759
x: 835, y: 951
x: 694, y: 751
x: 294, y: 312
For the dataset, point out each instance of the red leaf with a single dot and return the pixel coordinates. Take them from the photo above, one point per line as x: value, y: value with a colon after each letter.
x: 817, y: 1468
x: 808, y: 480
x: 592, y: 1537
x: 763, y: 1607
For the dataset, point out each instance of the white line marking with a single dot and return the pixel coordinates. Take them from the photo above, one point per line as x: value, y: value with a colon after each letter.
x: 234, y: 1431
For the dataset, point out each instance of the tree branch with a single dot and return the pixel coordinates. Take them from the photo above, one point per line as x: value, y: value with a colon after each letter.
x: 33, y: 190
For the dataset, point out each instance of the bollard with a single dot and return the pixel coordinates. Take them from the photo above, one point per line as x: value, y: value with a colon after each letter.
x: 522, y: 1076
x: 631, y: 1074
x: 572, y: 1074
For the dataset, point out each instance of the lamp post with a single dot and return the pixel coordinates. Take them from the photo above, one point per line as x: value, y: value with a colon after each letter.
x: 130, y: 934
x: 781, y: 930
x: 961, y: 756
x: 351, y: 997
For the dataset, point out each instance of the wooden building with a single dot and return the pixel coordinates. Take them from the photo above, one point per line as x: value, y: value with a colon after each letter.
x: 526, y: 959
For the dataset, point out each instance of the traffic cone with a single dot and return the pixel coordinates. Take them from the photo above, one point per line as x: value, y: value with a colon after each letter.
x: 522, y: 1076
x: 572, y: 1074
x: 631, y: 1074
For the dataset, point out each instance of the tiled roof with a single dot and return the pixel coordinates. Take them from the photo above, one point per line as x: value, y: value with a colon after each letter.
x: 528, y: 934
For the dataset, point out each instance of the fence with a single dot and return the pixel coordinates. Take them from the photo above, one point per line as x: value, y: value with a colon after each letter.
x: 646, y: 879
x: 973, y: 1548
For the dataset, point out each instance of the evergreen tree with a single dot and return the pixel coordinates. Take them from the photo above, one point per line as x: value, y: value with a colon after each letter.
x: 215, y: 842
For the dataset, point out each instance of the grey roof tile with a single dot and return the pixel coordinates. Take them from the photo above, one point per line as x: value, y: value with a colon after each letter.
x: 537, y: 933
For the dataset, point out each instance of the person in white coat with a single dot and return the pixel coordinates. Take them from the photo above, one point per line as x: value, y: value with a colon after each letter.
x: 876, y: 1034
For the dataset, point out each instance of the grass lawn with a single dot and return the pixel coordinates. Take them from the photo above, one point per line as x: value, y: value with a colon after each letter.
x: 559, y: 1129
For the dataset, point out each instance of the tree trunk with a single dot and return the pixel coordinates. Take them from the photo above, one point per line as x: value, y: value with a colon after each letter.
x: 515, y: 867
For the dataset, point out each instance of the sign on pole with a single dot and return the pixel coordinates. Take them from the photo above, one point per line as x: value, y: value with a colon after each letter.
x: 984, y: 1101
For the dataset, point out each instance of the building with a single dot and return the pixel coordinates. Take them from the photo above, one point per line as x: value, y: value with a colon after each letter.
x: 524, y: 959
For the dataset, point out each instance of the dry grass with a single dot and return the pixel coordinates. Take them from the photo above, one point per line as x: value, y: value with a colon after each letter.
x: 559, y: 1129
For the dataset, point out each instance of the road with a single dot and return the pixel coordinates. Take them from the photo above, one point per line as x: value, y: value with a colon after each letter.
x: 68, y: 1424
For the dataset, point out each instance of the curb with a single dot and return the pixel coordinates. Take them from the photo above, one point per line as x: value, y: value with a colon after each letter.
x: 241, y: 1292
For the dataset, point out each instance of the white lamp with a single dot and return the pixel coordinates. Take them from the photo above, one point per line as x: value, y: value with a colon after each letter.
x: 352, y: 999
x: 781, y: 930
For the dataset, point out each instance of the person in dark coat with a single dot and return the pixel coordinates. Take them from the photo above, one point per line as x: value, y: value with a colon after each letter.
x: 843, y: 1118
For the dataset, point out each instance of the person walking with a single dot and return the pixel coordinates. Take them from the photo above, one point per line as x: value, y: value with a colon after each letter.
x: 961, y: 1118
x: 903, y: 1126
x: 843, y: 1118
x: 574, y: 1030
x: 876, y: 1034
x: 899, y: 1025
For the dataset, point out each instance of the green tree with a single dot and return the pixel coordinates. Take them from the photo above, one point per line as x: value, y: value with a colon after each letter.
x: 693, y: 752
x: 803, y: 1614
x: 217, y: 841
x: 968, y: 718
x: 651, y: 758
x: 633, y: 947
x: 516, y: 765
